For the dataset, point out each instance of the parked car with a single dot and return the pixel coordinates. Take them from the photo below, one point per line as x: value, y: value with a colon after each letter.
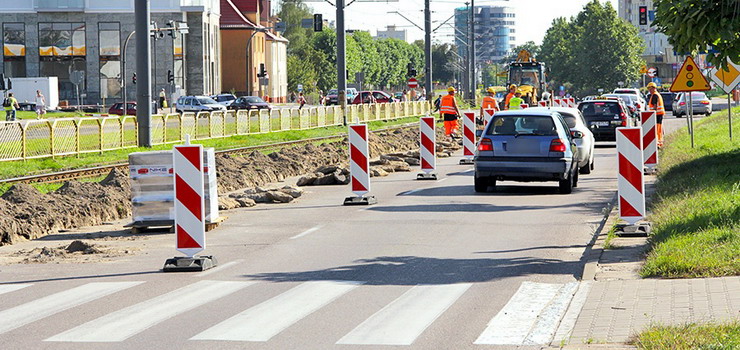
x: 668, y: 100
x: 117, y: 108
x: 604, y: 115
x: 332, y: 97
x: 585, y: 144
x: 250, y: 102
x: 224, y: 99
x: 701, y: 104
x: 642, y: 105
x: 527, y: 145
x: 631, y: 101
x: 351, y: 94
x: 197, y: 104
x: 369, y: 96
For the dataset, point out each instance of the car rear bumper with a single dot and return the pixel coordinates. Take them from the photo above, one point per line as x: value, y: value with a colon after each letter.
x: 703, y: 109
x: 523, y: 169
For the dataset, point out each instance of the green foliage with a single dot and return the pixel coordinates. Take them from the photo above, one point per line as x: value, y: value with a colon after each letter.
x: 530, y: 46
x: 444, y: 62
x: 713, y: 335
x: 596, y: 49
x: 694, y: 25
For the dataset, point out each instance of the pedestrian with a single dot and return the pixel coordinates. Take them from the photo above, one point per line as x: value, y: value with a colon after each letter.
x: 10, y: 104
x: 449, y: 112
x: 413, y: 95
x: 292, y: 96
x: 162, y: 99
x: 437, y: 103
x: 516, y: 101
x: 489, y: 102
x: 403, y: 96
x: 321, y: 97
x: 509, y: 96
x: 423, y: 95
x: 301, y: 100
x: 40, y: 104
x: 655, y: 103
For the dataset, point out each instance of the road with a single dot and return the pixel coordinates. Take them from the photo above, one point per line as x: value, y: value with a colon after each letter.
x: 433, y: 265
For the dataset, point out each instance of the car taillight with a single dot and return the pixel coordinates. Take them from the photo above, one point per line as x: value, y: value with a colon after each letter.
x: 705, y: 102
x: 485, y: 145
x: 557, y: 145
x: 681, y: 103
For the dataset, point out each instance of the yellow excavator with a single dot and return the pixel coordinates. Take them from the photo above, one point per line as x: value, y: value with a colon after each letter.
x: 529, y: 75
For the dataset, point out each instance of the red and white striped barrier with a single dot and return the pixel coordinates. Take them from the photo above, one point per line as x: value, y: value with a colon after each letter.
x: 572, y: 102
x: 427, y: 148
x: 359, y: 165
x: 468, y: 138
x: 556, y: 102
x: 542, y: 103
x: 630, y: 183
x: 190, y: 226
x: 488, y: 115
x: 524, y: 106
x: 649, y: 140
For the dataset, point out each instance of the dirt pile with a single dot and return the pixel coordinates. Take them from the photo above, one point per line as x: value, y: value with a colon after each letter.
x: 74, y: 252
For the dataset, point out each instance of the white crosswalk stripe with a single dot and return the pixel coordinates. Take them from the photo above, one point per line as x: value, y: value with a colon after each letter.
x: 403, y: 320
x: 7, y: 288
x: 122, y: 324
x: 33, y: 311
x: 264, y: 321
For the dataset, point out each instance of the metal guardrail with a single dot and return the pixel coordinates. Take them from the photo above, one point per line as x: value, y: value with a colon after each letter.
x: 29, y: 139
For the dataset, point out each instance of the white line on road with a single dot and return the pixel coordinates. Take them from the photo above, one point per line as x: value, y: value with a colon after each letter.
x: 35, y: 310
x: 122, y: 324
x: 263, y: 321
x: 7, y: 288
x: 515, y: 320
x: 311, y: 230
x: 219, y: 268
x: 404, y: 319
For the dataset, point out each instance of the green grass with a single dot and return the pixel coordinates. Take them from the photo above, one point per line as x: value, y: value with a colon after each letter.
x: 13, y: 169
x: 32, y: 115
x: 696, y: 215
x: 692, y: 336
x: 609, y: 237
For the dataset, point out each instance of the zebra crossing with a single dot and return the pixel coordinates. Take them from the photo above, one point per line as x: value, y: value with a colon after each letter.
x: 532, y: 315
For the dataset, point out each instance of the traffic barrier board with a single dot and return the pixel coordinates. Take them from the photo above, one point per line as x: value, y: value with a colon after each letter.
x: 468, y: 138
x: 630, y: 182
x: 649, y: 140
x: 359, y: 166
x: 427, y: 148
x: 689, y: 78
x: 190, y: 226
x: 727, y: 78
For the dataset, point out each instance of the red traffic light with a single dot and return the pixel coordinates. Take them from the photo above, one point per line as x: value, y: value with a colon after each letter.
x: 643, y: 9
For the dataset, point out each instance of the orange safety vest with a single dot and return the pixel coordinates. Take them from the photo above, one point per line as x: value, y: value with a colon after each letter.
x: 508, y: 97
x: 447, y: 105
x: 489, y: 102
x: 659, y: 109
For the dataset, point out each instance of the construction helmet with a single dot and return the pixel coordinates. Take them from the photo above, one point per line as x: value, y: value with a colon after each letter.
x: 451, y: 89
x: 491, y: 90
x: 652, y: 84
x: 518, y: 91
x: 512, y: 86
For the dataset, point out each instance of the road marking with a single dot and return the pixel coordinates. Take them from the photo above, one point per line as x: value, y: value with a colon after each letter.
x: 404, y: 319
x: 518, y: 317
x: 35, y: 310
x: 7, y: 288
x: 122, y: 324
x: 311, y: 230
x: 569, y: 320
x: 263, y: 321
x: 219, y: 268
x: 547, y: 322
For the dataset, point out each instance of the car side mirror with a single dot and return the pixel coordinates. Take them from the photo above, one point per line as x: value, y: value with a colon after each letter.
x: 576, y: 134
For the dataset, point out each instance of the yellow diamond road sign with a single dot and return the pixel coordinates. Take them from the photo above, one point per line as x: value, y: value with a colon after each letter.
x: 726, y: 78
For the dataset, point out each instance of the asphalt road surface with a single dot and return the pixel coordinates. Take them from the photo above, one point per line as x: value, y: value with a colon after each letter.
x: 433, y: 265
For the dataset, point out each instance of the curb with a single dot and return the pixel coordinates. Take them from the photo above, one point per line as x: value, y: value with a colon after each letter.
x: 595, y: 248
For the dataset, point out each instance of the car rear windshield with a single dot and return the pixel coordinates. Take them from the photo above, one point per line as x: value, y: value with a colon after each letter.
x: 631, y: 92
x: 600, y: 109
x: 694, y: 96
x: 254, y: 99
x: 224, y: 98
x: 570, y: 119
x: 522, y: 125
x: 206, y: 100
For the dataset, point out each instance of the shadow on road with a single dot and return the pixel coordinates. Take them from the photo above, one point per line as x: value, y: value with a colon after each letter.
x: 72, y: 278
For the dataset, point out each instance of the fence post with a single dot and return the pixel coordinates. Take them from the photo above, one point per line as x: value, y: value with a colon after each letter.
x: 120, y: 129
x: 210, y: 126
x: 23, y: 140
x: 100, y: 134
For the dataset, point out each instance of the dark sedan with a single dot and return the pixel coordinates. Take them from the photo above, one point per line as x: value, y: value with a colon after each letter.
x: 250, y: 102
x: 118, y: 109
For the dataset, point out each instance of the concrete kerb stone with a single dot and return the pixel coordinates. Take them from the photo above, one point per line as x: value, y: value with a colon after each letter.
x: 595, y: 248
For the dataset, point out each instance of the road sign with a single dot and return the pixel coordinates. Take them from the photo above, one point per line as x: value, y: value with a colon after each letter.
x: 652, y: 72
x: 726, y: 78
x: 300, y: 87
x: 413, y: 84
x: 689, y: 78
x: 643, y: 70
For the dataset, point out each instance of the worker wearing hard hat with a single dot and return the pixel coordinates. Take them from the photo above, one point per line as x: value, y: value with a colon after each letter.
x: 489, y: 106
x: 655, y: 103
x: 449, y: 112
x: 516, y: 101
x: 510, y: 95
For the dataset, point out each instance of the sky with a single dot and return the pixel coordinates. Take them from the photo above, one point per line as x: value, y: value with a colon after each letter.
x: 533, y: 17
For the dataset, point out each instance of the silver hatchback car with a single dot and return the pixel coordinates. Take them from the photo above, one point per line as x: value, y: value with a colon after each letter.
x: 700, y: 103
x: 527, y: 145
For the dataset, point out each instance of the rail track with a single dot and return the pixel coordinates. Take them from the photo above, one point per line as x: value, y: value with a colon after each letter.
x: 91, y: 172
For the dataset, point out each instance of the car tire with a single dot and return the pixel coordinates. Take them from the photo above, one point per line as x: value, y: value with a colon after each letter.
x: 586, y: 169
x: 575, y: 179
x: 677, y: 115
x: 481, y: 184
x: 566, y: 185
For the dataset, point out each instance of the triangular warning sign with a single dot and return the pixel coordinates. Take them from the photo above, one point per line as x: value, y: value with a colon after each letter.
x: 689, y: 78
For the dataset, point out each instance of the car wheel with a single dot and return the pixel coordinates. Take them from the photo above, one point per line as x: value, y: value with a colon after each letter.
x: 566, y: 186
x: 586, y: 169
x: 575, y: 179
x: 481, y: 184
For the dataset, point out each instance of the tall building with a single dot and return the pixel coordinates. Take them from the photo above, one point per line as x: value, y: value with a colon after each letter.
x: 58, y: 37
x: 658, y: 52
x: 495, y: 33
x: 392, y: 32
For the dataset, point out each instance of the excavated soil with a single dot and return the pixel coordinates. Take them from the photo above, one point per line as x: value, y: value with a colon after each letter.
x: 25, y: 213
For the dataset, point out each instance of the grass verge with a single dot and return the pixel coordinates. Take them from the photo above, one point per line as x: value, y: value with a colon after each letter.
x: 696, y: 214
x: 45, y: 165
x: 714, y: 336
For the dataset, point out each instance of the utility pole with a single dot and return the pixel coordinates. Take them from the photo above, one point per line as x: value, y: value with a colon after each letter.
x: 473, y: 85
x: 143, y: 73
x: 341, y: 60
x: 428, y: 51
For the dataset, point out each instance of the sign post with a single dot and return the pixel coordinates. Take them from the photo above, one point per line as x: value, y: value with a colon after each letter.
x: 727, y: 78
x: 688, y: 79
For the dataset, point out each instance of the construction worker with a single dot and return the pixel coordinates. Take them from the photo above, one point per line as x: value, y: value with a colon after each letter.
x: 489, y: 102
x: 510, y: 95
x: 655, y: 103
x: 516, y: 101
x: 449, y: 112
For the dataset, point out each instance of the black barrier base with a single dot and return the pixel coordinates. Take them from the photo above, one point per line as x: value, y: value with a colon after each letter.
x: 425, y: 176
x: 188, y: 264
x: 360, y: 200
x: 650, y: 171
x: 467, y: 161
x: 640, y: 229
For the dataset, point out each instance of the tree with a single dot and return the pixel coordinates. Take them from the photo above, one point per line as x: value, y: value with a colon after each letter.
x: 694, y: 25
x: 444, y: 62
x: 557, y: 51
x: 530, y: 46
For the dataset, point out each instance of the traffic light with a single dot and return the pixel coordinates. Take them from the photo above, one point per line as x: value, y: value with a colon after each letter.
x: 263, y: 72
x: 133, y: 79
x: 2, y: 82
x: 318, y: 22
x: 410, y: 70
x: 170, y: 77
x: 643, y: 15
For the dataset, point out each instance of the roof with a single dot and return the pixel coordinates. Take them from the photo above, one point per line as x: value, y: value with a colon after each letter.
x: 274, y: 37
x: 233, y: 18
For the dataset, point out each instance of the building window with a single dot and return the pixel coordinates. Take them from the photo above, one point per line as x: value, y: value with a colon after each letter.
x: 109, y: 35
x: 62, y: 51
x: 14, y: 49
